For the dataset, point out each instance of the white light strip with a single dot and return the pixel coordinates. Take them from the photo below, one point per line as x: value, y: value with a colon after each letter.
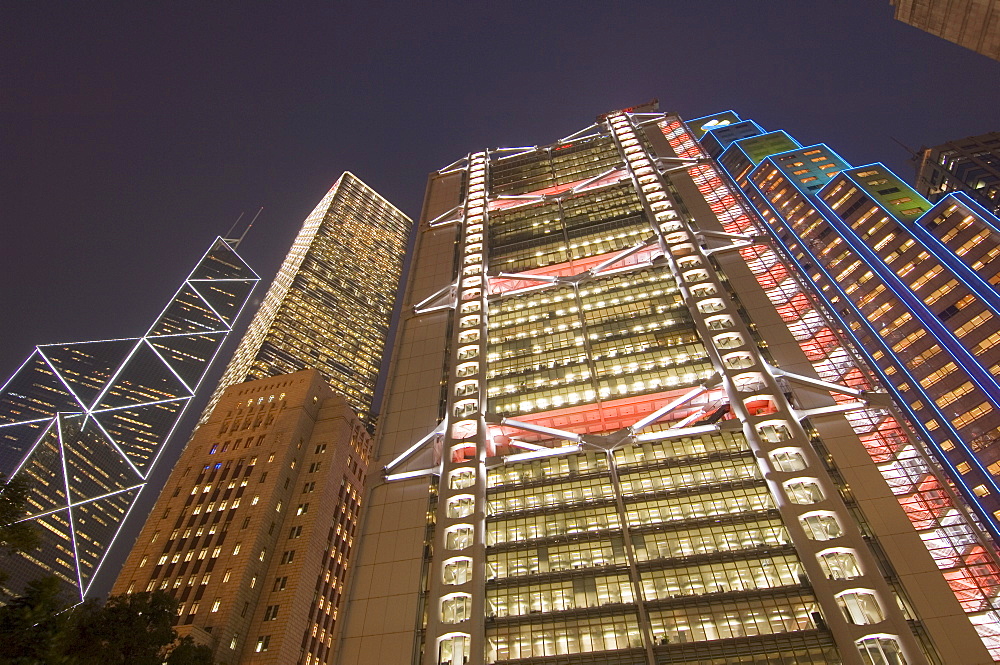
x: 412, y: 449
x: 664, y: 410
x: 536, y: 278
x: 530, y: 427
x: 816, y: 383
x: 410, y: 474
x: 624, y: 255
x: 828, y: 410
x: 440, y: 219
x: 527, y: 446
x: 548, y: 452
x: 676, y: 433
x: 445, y: 290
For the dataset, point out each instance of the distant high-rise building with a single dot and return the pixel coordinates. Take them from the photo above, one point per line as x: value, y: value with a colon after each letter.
x: 330, y: 304
x: 974, y: 24
x: 255, y: 527
x: 913, y: 283
x: 644, y: 437
x: 971, y: 165
x: 84, y: 423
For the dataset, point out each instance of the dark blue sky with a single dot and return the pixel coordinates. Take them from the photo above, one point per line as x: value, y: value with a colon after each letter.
x: 131, y: 134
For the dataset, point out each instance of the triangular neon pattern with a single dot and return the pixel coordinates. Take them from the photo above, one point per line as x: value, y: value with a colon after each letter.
x: 34, y: 392
x: 16, y: 440
x: 188, y: 355
x: 95, y: 525
x: 225, y: 298
x: 88, y: 366
x: 187, y: 313
x: 222, y: 262
x: 143, y: 379
x: 83, y: 423
x: 140, y: 430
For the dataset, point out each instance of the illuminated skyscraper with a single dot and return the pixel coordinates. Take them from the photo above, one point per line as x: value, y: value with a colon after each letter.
x: 914, y: 283
x: 329, y: 306
x: 84, y: 423
x: 255, y: 528
x: 645, y: 438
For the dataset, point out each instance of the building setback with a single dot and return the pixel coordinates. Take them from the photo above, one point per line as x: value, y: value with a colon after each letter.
x: 255, y: 526
x: 971, y: 165
x: 635, y: 449
x: 83, y: 423
x: 913, y: 283
x: 329, y: 306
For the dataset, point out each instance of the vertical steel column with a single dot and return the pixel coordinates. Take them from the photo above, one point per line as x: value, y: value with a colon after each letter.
x: 802, y: 489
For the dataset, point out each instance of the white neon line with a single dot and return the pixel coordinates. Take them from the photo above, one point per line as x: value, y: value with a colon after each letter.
x: 83, y: 407
x: 664, y: 410
x: 530, y: 427
x: 438, y: 308
x: 164, y: 361
x: 114, y: 537
x: 186, y: 334
x: 216, y: 280
x: 411, y: 474
x: 163, y: 444
x: 118, y: 371
x: 121, y: 452
x: 549, y: 452
x: 23, y: 365
x: 409, y: 451
x: 676, y: 433
x: 69, y: 512
x: 79, y: 503
x: 97, y: 412
x: 205, y: 300
x: 31, y: 449
x: 25, y: 422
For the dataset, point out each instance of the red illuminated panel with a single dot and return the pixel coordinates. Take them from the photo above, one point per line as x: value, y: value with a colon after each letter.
x: 506, y: 203
x: 613, y: 415
x: 571, y: 267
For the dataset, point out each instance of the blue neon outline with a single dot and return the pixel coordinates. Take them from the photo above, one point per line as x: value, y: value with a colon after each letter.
x: 985, y: 515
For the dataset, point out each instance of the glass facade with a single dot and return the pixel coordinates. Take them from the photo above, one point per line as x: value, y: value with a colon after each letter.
x: 329, y: 305
x: 83, y: 423
x: 648, y: 442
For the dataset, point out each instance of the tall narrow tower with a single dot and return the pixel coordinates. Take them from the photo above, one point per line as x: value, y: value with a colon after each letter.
x: 330, y: 304
x: 635, y: 453
x: 83, y: 423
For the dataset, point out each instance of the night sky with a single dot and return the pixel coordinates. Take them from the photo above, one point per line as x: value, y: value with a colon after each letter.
x: 131, y: 135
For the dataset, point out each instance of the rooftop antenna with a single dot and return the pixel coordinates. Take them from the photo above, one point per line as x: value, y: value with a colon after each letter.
x: 905, y: 147
x: 235, y: 242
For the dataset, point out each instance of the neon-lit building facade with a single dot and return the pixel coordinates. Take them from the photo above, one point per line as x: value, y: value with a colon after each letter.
x: 330, y: 304
x: 84, y: 423
x: 635, y: 451
x: 914, y: 283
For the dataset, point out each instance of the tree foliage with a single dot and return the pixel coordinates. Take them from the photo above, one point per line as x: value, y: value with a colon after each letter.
x: 131, y: 629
